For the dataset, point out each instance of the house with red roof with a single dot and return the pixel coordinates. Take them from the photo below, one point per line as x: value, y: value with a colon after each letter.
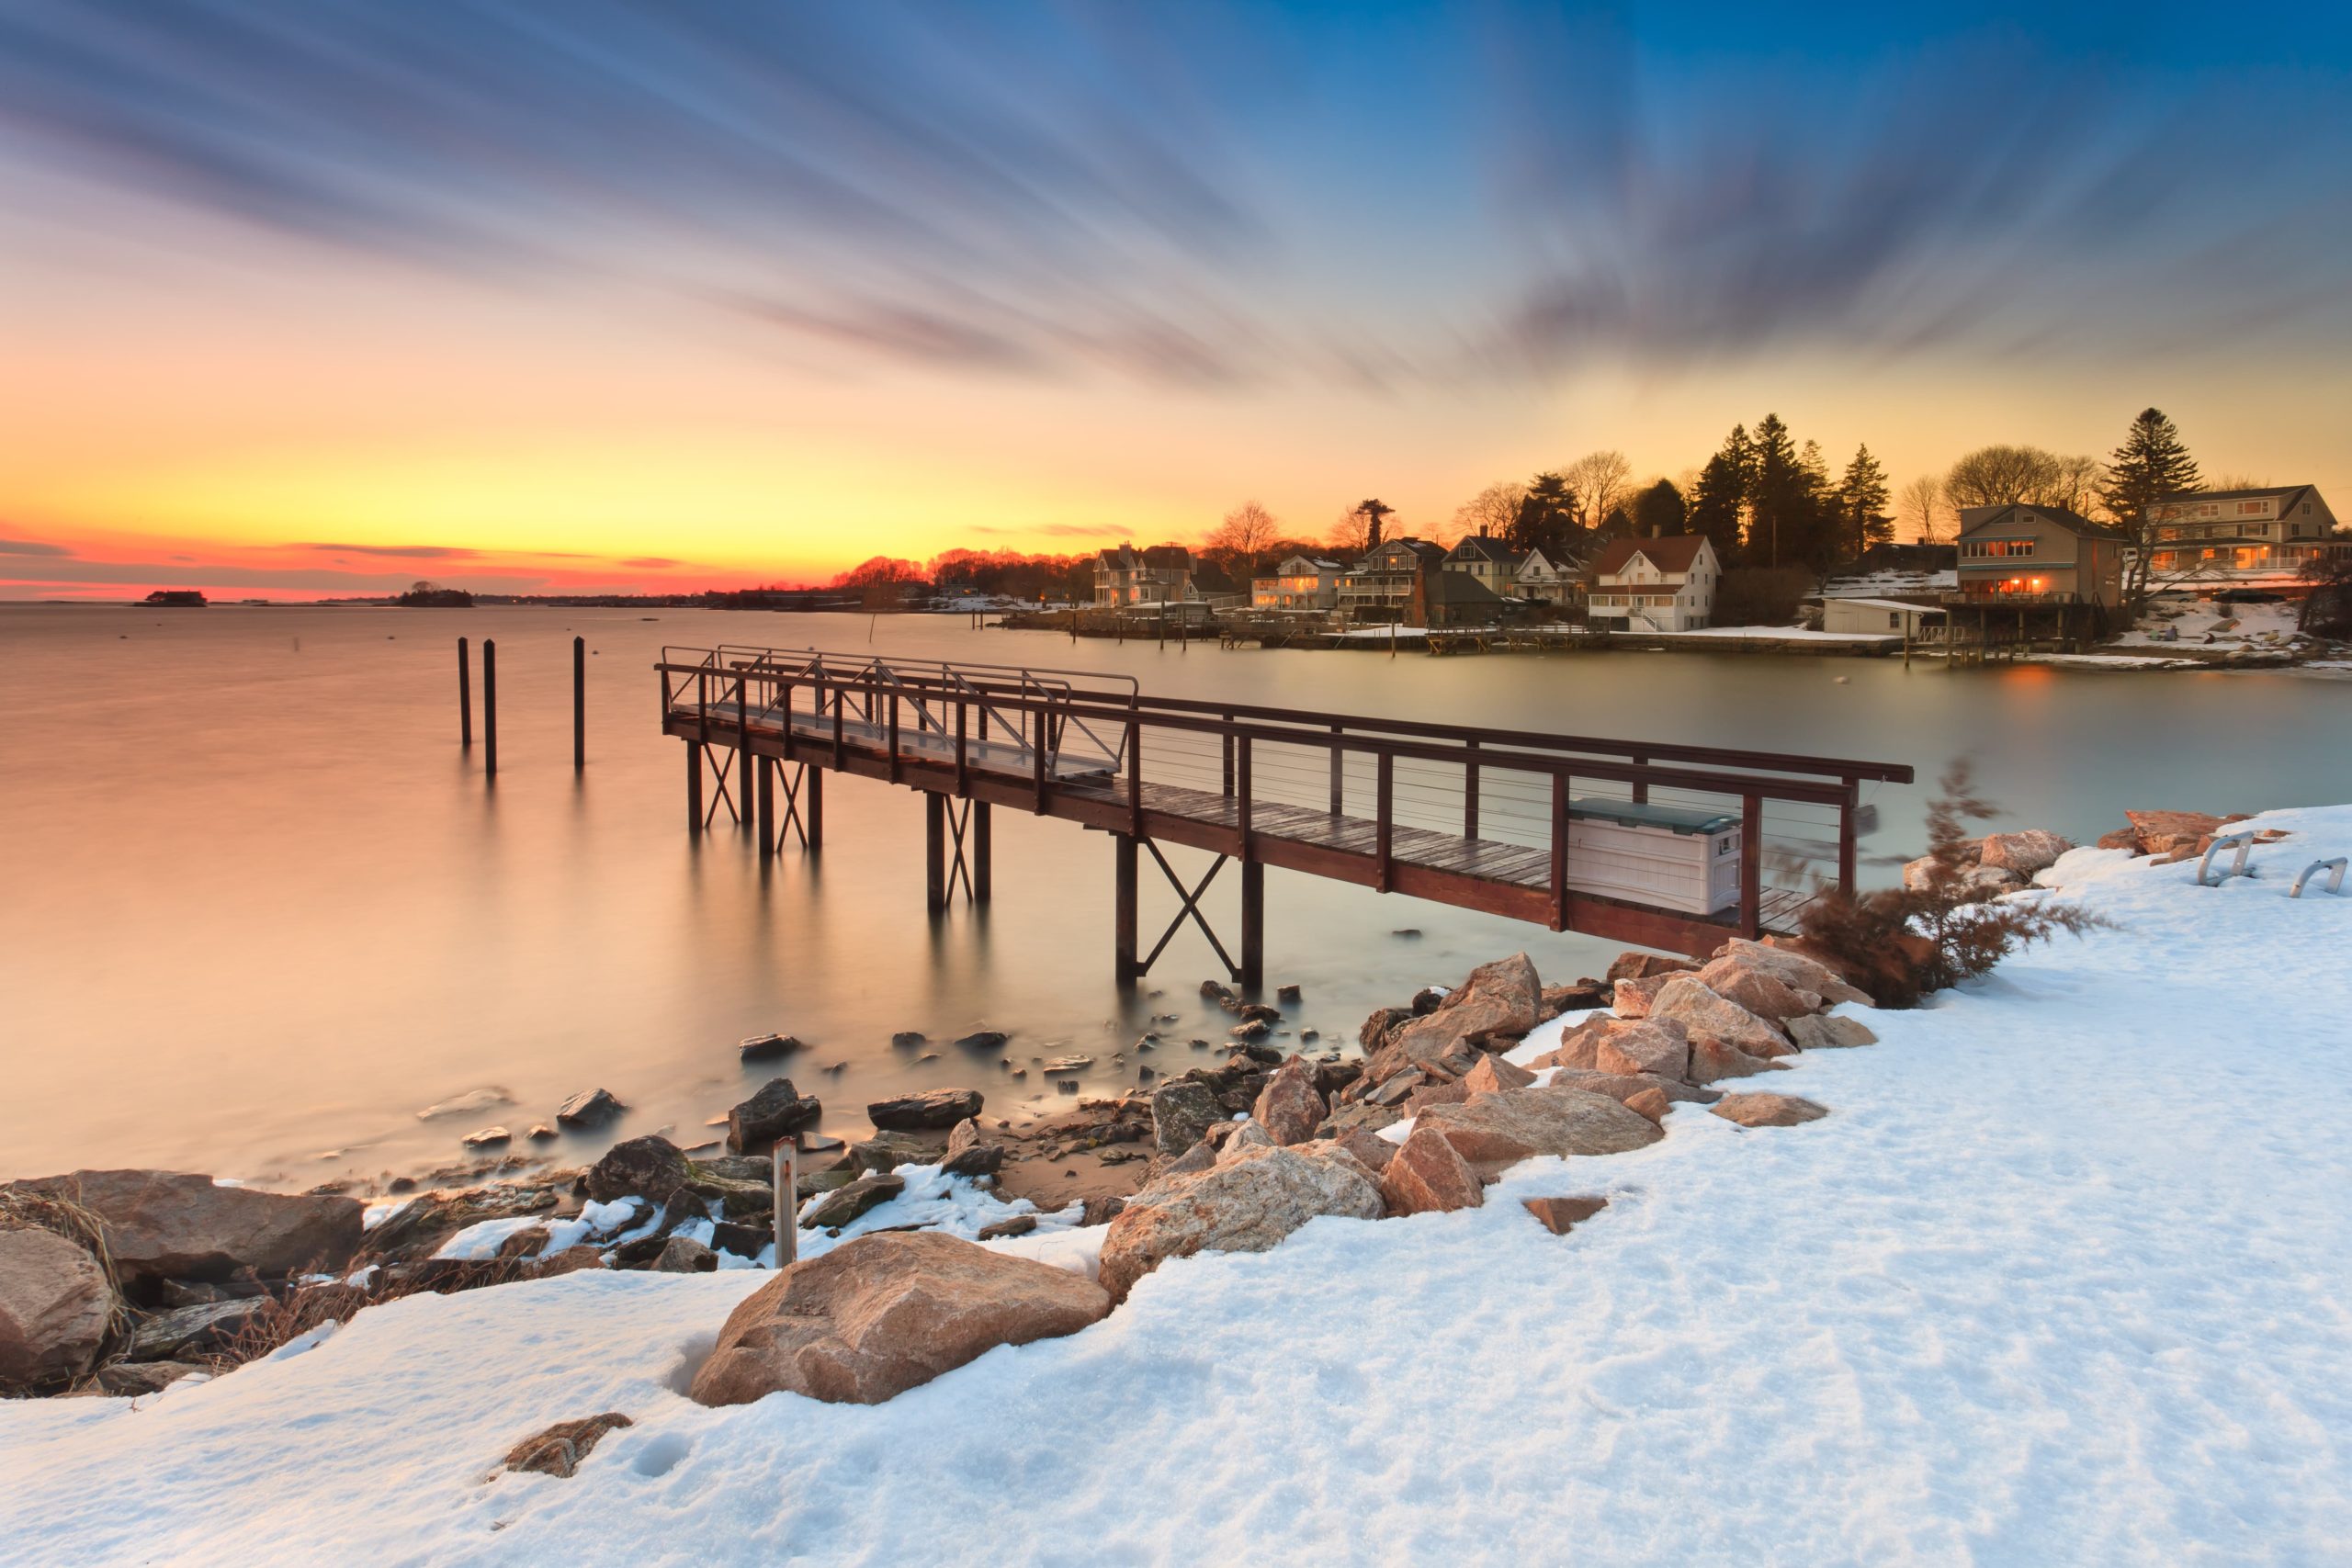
x: 1654, y: 585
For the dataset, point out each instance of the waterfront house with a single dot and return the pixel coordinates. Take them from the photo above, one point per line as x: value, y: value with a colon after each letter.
x: 1302, y: 583
x: 1554, y: 583
x: 1486, y: 560
x: 1124, y: 575
x: 1380, y: 586
x: 1443, y: 597
x: 1654, y: 585
x: 2239, y: 538
x: 2025, y: 555
x: 1912, y: 619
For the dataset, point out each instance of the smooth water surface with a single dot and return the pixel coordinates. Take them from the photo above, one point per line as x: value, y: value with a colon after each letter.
x: 257, y: 907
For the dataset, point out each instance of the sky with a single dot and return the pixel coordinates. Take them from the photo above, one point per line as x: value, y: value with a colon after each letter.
x: 321, y: 298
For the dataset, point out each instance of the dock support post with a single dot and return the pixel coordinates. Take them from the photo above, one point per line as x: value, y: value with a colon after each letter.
x: 1253, y: 924
x: 816, y: 814
x: 693, y: 787
x: 763, y: 771
x: 934, y: 844
x: 788, y: 1201
x: 490, y: 707
x: 1751, y: 868
x: 1123, y: 910
x: 1845, y: 813
x: 983, y: 880
x: 465, y: 697
x: 579, y: 703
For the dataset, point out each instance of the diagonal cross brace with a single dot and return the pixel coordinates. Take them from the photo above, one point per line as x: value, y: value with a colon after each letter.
x: 1190, y: 909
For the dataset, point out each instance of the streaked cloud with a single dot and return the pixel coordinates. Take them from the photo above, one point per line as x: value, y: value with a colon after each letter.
x: 409, y: 552
x: 31, y: 548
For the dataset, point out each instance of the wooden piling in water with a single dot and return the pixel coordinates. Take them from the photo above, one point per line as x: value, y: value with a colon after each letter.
x: 579, y: 703
x: 788, y: 1203
x: 490, y: 707
x: 465, y: 697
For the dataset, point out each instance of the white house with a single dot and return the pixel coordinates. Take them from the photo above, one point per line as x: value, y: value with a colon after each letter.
x: 1555, y: 582
x: 1654, y: 585
x: 1302, y: 583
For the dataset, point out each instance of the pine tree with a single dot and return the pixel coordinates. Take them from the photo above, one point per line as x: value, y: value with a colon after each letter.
x: 1717, y: 501
x: 1660, y: 509
x: 1861, y: 503
x: 2152, y: 463
x: 1547, y: 519
x: 1781, y: 496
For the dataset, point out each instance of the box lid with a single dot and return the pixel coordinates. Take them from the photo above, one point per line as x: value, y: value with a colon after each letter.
x: 1675, y: 818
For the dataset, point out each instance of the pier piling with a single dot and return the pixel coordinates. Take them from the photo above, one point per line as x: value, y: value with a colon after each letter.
x: 465, y: 697
x: 579, y: 703
x: 490, y: 707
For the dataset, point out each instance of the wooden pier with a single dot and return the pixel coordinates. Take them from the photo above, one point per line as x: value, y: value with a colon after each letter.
x: 1480, y: 819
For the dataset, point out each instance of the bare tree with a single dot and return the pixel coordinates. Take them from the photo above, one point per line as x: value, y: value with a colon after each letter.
x: 1351, y: 535
x: 1599, y: 481
x: 2235, y: 481
x: 1243, y: 535
x: 1920, y: 504
x: 2003, y: 476
x: 2076, y: 486
x: 1492, y: 510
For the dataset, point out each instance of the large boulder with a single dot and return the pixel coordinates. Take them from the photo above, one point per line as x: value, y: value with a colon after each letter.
x: 161, y: 1224
x: 1290, y: 1107
x: 1632, y: 996
x: 1494, y: 1074
x: 1709, y: 1018
x: 2159, y: 830
x: 1620, y: 1045
x: 1182, y: 1110
x: 1740, y: 980
x: 775, y: 1111
x: 589, y: 1108
x: 1494, y: 1132
x: 1712, y: 1061
x: 1428, y: 1176
x: 934, y: 1107
x: 1623, y: 1087
x: 55, y: 1305
x: 1794, y: 970
x: 2034, y: 848
x: 1249, y: 1200
x: 881, y: 1315
x: 1508, y: 990
x: 844, y: 1204
x: 1633, y: 965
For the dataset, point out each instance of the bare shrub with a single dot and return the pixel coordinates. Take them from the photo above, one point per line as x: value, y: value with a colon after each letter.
x: 1902, y: 944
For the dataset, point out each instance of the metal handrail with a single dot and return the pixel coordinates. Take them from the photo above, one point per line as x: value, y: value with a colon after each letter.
x: 2242, y: 841
x: 2334, y: 883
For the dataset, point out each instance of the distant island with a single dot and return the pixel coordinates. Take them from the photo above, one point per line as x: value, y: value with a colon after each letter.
x: 432, y: 595
x: 176, y: 599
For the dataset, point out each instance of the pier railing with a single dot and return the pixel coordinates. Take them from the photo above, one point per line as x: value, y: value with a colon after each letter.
x: 1401, y: 803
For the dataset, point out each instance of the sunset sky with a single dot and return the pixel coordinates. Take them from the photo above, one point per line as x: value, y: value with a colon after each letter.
x: 321, y: 298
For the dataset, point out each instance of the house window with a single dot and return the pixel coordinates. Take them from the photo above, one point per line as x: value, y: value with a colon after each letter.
x: 1894, y: 619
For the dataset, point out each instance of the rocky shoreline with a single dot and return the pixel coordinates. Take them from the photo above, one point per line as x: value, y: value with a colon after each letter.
x: 124, y: 1282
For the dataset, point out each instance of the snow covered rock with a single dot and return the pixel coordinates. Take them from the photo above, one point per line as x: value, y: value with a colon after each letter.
x: 934, y: 1107
x: 844, y: 1204
x: 1711, y: 1061
x: 171, y: 1225
x: 209, y: 1325
x: 1248, y: 1201
x: 1650, y: 1103
x: 1290, y: 1107
x: 1767, y: 1110
x: 55, y: 1303
x: 1182, y: 1110
x: 882, y: 1314
x: 1622, y: 1087
x: 1991, y: 880
x: 1829, y: 1030
x: 1559, y: 1216
x: 1709, y: 1018
x: 1494, y: 1132
x: 1505, y: 998
x: 1740, y: 980
x: 685, y: 1254
x: 776, y: 1109
x: 654, y: 1169
x: 1427, y: 1175
x: 2035, y: 849
x: 559, y: 1450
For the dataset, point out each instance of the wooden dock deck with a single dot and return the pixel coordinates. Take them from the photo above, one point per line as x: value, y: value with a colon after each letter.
x: 1478, y: 818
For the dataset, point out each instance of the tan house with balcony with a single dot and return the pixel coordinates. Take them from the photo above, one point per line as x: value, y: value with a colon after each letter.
x: 1124, y: 575
x: 1302, y: 583
x: 2239, y: 538
x: 2026, y: 557
x: 1380, y: 586
x: 1654, y: 585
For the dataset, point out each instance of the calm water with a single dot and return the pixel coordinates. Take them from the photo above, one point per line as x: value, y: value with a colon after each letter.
x: 257, y: 908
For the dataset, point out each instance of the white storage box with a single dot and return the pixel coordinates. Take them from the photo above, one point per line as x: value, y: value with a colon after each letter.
x: 1665, y: 856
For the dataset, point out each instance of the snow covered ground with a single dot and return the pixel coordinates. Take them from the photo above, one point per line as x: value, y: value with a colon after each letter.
x: 2266, y: 626
x: 1786, y: 634
x: 2059, y: 1279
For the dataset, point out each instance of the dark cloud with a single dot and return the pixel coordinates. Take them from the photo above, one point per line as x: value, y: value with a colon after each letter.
x: 405, y: 552
x: 233, y: 574
x: 1206, y: 198
x: 31, y: 548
